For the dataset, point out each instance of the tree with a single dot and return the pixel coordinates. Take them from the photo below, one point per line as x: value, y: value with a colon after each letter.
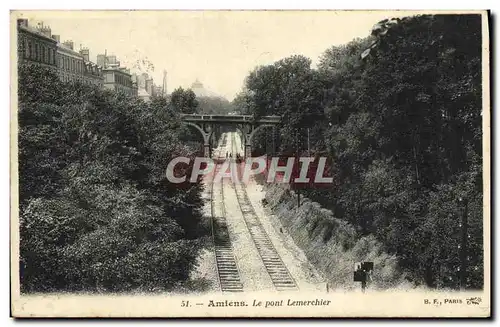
x: 184, y: 101
x: 97, y: 212
x: 214, y: 105
x: 242, y: 102
x: 404, y: 135
x: 399, y: 114
x: 291, y: 89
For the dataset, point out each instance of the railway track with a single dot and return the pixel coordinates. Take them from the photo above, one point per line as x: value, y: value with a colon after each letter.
x: 227, y: 269
x: 276, y: 268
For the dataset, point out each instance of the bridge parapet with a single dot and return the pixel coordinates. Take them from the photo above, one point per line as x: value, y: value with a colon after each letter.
x: 230, y: 118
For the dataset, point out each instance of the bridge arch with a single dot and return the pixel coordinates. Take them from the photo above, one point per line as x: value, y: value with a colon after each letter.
x: 206, y: 136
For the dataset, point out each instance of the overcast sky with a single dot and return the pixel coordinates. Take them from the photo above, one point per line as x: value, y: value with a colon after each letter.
x: 219, y: 48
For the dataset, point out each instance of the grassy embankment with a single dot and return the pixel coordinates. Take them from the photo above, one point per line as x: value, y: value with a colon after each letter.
x: 330, y: 244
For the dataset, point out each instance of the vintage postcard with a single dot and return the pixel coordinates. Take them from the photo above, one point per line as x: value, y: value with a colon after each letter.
x: 250, y: 164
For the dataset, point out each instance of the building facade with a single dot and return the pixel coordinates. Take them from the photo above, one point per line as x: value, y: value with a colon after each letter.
x: 92, y: 72
x: 35, y: 45
x: 116, y: 78
x: 69, y: 63
x: 119, y: 80
x: 75, y: 66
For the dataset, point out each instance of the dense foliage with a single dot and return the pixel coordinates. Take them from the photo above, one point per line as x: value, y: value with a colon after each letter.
x: 214, y: 105
x: 184, y: 101
x: 399, y: 112
x: 96, y: 211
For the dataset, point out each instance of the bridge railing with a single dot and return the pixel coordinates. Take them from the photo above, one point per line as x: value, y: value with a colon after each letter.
x: 232, y: 118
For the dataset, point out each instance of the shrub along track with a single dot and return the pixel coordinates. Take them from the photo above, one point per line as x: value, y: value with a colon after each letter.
x: 277, y: 270
x: 227, y: 270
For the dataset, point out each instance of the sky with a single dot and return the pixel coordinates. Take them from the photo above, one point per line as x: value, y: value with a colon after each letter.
x: 219, y: 48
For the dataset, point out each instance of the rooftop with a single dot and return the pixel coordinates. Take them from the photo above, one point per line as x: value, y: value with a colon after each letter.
x: 34, y: 30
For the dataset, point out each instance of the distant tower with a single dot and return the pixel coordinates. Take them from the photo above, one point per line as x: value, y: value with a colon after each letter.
x: 164, y: 89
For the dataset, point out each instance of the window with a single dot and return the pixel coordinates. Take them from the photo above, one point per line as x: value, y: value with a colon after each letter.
x: 21, y: 45
x: 24, y: 47
x: 36, y: 51
x: 49, y: 56
x: 28, y: 49
x: 109, y: 77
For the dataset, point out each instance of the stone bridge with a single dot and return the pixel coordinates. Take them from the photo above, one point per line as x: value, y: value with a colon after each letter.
x: 246, y: 124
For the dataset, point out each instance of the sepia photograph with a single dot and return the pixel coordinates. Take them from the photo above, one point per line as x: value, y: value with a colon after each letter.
x: 250, y: 163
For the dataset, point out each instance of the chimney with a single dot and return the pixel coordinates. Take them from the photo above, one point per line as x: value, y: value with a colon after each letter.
x: 101, y: 60
x: 69, y: 44
x: 85, y: 53
x: 45, y: 30
x: 57, y: 38
x: 22, y: 22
